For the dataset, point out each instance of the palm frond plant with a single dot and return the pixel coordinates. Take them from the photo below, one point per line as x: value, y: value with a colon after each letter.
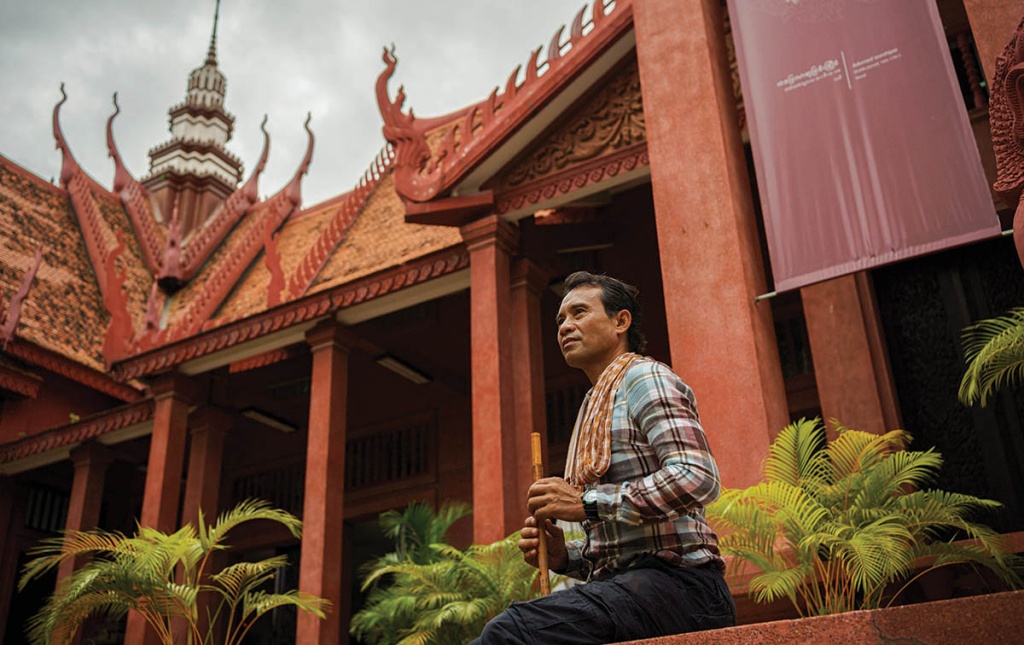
x: 162, y: 577
x: 994, y: 351
x: 427, y: 592
x: 447, y: 601
x: 845, y: 525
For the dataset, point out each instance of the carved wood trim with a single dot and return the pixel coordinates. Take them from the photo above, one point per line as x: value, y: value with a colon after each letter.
x: 421, y: 175
x: 79, y: 431
x: 609, y: 119
x: 69, y: 369
x: 575, y: 178
x: 294, y: 313
x: 19, y: 382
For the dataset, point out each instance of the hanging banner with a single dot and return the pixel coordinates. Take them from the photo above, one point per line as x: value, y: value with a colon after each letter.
x: 862, y: 145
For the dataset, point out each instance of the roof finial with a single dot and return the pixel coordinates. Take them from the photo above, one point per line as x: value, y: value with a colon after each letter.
x: 211, y: 56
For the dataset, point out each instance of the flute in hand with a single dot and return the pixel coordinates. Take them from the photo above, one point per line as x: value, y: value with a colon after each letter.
x: 542, y: 546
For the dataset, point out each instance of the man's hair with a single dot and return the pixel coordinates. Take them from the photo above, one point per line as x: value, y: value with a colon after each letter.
x: 616, y: 295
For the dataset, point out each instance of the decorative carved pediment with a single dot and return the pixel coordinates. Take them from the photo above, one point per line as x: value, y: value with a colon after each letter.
x: 1006, y: 115
x: 611, y: 119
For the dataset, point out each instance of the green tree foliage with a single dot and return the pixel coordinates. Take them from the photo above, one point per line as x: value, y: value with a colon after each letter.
x: 844, y: 525
x: 994, y: 351
x: 162, y: 576
x: 427, y: 592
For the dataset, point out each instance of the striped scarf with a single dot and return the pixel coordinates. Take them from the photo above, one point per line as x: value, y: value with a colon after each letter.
x: 590, y: 450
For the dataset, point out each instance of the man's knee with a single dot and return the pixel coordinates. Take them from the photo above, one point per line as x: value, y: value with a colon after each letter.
x: 501, y: 630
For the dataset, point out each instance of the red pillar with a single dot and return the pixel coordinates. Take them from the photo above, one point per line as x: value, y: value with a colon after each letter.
x: 528, y: 284
x: 172, y: 395
x: 323, y: 509
x: 992, y: 23
x: 490, y: 242
x: 722, y: 342
x: 208, y: 429
x: 850, y: 364
x: 8, y: 550
x: 90, y: 462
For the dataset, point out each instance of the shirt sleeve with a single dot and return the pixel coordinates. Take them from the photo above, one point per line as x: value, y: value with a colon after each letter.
x: 663, y: 408
x: 578, y: 566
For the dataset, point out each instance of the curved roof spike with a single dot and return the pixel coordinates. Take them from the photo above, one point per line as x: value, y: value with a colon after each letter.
x: 294, y: 189
x: 510, y: 84
x: 121, y: 175
x: 598, y: 13
x: 251, y: 188
x: 68, y: 163
x: 531, y: 67
x: 577, y: 24
x: 555, y: 46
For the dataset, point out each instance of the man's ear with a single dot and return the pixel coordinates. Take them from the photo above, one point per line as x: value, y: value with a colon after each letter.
x: 623, y: 320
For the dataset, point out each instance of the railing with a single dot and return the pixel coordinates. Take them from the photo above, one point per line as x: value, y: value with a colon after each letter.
x: 376, y: 456
x: 47, y: 510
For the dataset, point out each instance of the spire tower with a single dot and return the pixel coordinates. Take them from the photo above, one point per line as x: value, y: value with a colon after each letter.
x: 194, y: 166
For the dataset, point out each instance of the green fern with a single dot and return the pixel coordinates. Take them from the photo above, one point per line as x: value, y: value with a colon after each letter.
x: 840, y: 525
x: 994, y: 351
x: 161, y: 576
x: 428, y: 592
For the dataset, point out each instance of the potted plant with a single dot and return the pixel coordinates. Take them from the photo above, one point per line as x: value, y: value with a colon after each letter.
x: 162, y: 576
x: 847, y: 524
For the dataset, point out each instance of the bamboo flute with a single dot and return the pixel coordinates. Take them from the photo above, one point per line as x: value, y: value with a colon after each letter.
x: 542, y: 546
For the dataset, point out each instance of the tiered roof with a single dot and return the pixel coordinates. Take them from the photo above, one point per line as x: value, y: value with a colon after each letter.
x: 123, y: 289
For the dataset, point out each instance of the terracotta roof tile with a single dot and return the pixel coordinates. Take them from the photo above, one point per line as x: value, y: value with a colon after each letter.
x: 64, y: 310
x: 381, y: 239
x: 218, y: 259
x: 138, y: 280
x: 295, y: 237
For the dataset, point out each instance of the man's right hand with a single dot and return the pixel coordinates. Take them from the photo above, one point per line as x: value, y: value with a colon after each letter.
x: 529, y: 541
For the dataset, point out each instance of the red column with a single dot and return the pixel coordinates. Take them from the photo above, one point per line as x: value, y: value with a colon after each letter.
x: 323, y: 509
x: 490, y: 242
x: 8, y: 551
x: 208, y: 429
x: 172, y: 395
x: 90, y: 462
x: 992, y: 23
x: 528, y: 284
x: 722, y: 342
x: 850, y: 364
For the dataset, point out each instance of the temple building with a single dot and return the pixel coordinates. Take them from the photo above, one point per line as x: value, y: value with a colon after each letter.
x: 177, y: 343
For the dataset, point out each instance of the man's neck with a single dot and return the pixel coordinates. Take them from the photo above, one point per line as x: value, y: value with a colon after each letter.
x: 594, y: 373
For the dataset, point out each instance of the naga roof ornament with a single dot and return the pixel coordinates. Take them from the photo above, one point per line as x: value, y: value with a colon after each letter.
x: 68, y: 164
x: 433, y: 155
x: 293, y: 191
x: 136, y: 202
x: 1006, y: 114
x: 10, y: 324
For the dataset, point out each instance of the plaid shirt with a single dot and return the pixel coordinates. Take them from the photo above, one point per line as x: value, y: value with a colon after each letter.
x: 662, y: 474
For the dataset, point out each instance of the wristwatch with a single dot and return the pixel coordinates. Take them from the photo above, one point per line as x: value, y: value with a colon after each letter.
x: 589, y: 499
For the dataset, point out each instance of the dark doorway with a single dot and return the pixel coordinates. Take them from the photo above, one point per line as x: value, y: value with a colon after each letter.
x: 925, y: 303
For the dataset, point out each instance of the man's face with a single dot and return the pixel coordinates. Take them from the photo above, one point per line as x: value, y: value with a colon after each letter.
x: 588, y: 337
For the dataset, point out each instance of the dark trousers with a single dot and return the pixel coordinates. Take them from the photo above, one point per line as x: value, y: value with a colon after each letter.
x: 643, y: 602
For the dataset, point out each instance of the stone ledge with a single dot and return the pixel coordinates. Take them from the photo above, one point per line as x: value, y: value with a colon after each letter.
x: 990, y: 619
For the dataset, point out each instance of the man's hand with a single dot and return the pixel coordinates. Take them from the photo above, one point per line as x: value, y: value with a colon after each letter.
x: 554, y: 498
x: 558, y: 559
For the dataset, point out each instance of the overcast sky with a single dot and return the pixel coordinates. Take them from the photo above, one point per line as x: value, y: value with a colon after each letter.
x: 282, y: 58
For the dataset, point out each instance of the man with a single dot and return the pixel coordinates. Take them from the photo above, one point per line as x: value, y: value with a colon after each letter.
x: 638, y: 475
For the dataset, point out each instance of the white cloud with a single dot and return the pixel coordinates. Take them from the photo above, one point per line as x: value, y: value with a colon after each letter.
x: 282, y: 59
